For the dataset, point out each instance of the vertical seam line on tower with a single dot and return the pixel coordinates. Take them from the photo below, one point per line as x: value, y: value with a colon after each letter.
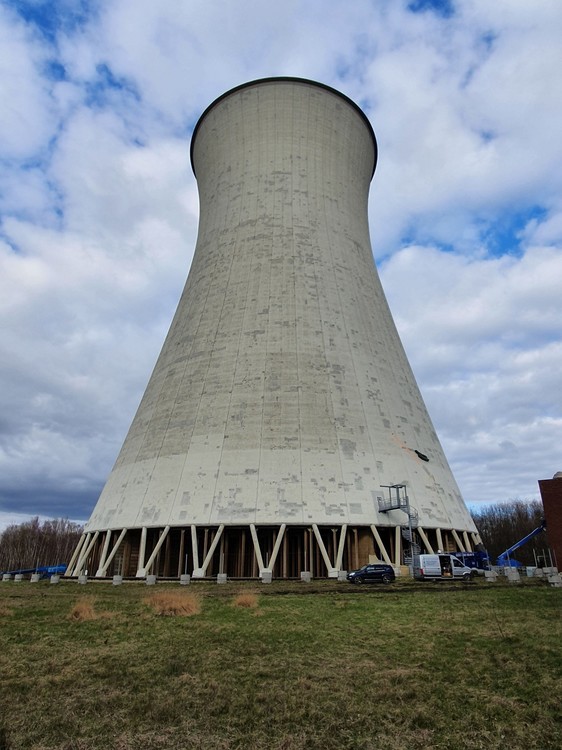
x: 235, y: 251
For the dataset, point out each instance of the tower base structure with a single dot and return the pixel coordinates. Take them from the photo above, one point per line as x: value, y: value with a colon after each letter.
x: 250, y: 551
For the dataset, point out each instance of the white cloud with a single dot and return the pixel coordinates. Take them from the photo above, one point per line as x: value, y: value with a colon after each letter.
x: 482, y: 335
x: 27, y: 112
x: 98, y: 212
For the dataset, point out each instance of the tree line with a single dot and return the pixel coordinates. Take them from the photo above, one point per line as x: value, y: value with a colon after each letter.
x: 37, y: 543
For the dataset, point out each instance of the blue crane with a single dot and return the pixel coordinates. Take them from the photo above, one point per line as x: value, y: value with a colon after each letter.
x: 504, y: 559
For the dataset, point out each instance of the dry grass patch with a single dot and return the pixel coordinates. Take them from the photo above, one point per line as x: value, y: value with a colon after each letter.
x: 83, y: 611
x: 246, y: 601
x: 5, y: 612
x: 174, y: 604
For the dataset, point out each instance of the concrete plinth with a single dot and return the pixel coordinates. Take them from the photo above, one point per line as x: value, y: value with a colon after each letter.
x: 305, y: 576
x: 35, y: 578
x: 512, y: 575
x: 82, y: 580
x: 185, y: 579
x: 266, y: 576
x: 18, y: 577
x: 490, y: 575
x: 117, y: 580
x: 6, y: 576
x: 342, y: 575
x: 54, y: 579
x: 222, y: 578
x: 150, y: 580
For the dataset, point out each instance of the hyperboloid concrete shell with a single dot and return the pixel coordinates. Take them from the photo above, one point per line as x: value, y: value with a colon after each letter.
x: 282, y: 429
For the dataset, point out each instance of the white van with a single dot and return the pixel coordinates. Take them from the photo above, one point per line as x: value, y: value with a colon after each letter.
x: 442, y: 566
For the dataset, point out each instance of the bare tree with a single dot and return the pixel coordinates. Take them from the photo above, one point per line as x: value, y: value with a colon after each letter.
x: 31, y: 544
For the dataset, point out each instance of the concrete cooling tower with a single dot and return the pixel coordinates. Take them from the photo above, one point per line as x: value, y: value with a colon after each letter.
x: 282, y: 429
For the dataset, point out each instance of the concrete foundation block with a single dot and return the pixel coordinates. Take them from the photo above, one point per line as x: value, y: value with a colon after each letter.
x: 539, y: 573
x: 82, y: 580
x: 18, y: 577
x: 555, y: 580
x: 222, y: 578
x: 54, y: 579
x: 150, y: 580
x: 266, y: 576
x: 490, y: 575
x: 342, y: 575
x: 305, y: 576
x: 35, y: 578
x: 6, y: 576
x: 117, y: 580
x: 185, y: 579
x: 512, y: 575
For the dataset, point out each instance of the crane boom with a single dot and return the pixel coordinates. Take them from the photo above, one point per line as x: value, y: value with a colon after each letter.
x: 503, y: 558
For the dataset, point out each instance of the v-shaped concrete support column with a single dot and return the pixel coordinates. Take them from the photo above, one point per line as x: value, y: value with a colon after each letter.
x: 332, y: 572
x: 202, y: 571
x: 102, y: 570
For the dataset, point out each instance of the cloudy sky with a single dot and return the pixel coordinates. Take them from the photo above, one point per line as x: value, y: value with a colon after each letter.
x: 98, y: 213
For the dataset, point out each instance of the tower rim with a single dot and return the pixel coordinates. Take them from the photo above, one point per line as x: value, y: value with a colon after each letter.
x: 284, y: 79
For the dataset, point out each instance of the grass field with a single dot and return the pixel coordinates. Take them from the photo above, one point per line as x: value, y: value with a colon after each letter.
x: 287, y: 666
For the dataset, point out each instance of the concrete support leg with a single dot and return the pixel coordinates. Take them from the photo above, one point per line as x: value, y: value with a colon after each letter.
x: 458, y: 541
x: 341, y: 547
x: 384, y: 553
x: 103, y: 569
x: 274, y: 553
x: 202, y: 571
x: 397, y: 546
x: 425, y: 540
x: 82, y: 560
x: 75, y: 554
x: 194, y: 547
x: 182, y: 570
x: 142, y: 551
x: 156, y: 550
x: 104, y: 552
x: 332, y: 572
x: 257, y: 550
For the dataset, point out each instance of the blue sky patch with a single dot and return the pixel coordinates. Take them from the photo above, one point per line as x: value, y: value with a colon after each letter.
x: 443, y: 8
x: 503, y: 236
x: 51, y: 17
x: 106, y: 81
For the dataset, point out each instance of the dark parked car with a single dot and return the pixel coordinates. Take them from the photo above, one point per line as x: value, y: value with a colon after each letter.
x: 372, y: 574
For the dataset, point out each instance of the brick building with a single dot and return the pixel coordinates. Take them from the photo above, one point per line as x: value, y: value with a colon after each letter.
x: 551, y: 494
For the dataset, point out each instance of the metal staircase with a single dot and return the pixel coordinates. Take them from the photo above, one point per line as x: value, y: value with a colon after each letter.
x: 398, y: 500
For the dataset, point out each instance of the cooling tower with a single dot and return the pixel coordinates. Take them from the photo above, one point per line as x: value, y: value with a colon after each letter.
x: 282, y: 429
